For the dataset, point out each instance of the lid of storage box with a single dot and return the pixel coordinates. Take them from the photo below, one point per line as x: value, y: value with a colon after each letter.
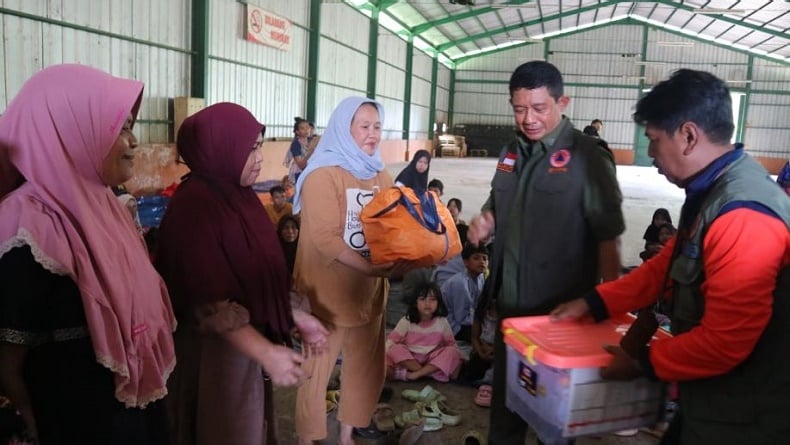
x: 566, y: 344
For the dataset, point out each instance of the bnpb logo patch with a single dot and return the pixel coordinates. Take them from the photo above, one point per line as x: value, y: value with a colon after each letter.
x: 560, y: 158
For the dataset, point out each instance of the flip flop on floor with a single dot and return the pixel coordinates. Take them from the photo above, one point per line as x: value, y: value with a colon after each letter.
x: 438, y: 409
x: 333, y: 395
x: 431, y: 424
x: 474, y: 437
x: 483, y: 397
x: 330, y: 406
x: 408, y: 418
x: 384, y: 417
x: 427, y: 394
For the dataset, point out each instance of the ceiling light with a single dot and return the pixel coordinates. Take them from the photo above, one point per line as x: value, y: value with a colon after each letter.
x: 648, y: 62
x: 527, y: 40
x: 674, y: 43
x: 738, y: 81
x: 718, y: 11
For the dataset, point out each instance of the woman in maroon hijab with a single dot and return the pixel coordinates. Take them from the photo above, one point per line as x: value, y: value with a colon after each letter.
x: 221, y: 259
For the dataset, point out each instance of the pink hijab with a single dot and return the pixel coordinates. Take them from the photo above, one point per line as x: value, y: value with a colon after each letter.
x: 56, y: 133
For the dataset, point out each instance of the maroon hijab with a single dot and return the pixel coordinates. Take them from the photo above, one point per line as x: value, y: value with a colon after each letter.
x: 216, y: 240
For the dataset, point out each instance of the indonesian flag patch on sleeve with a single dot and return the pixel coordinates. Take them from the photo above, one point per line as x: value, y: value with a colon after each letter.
x: 507, y: 164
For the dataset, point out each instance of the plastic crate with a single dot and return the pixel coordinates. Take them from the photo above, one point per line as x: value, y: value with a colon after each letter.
x: 553, y: 379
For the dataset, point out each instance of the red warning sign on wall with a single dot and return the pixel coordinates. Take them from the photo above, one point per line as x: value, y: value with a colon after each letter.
x: 268, y: 29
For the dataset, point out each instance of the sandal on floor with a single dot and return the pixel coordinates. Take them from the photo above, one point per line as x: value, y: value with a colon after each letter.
x: 384, y: 417
x: 438, y: 409
x: 333, y: 395
x: 330, y: 406
x: 408, y: 418
x: 483, y: 397
x: 474, y: 437
x: 431, y: 424
x: 427, y: 394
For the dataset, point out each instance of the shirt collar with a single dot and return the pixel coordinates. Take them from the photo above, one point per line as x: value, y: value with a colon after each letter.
x: 701, y: 181
x: 548, y: 140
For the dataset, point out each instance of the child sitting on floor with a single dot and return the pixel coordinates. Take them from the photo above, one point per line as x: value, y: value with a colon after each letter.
x: 461, y: 292
x: 422, y: 343
x: 665, y: 233
x: 478, y: 368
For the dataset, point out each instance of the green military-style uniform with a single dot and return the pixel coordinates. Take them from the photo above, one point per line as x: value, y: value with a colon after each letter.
x: 553, y: 202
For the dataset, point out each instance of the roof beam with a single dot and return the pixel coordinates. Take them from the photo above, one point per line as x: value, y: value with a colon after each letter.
x: 445, y: 46
x: 631, y: 21
x: 622, y: 21
x: 421, y: 28
x: 725, y: 19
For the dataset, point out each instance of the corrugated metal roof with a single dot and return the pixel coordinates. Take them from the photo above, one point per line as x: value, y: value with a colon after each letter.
x: 461, y: 31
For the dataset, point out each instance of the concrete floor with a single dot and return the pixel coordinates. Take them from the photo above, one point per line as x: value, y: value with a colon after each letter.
x: 469, y: 180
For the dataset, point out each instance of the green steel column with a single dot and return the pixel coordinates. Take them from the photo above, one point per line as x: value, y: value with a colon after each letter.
x: 640, y: 140
x: 407, y: 88
x: 373, y: 53
x: 451, y: 100
x: 200, y: 35
x: 312, y: 59
x: 432, y: 106
x: 546, y: 50
x: 740, y: 135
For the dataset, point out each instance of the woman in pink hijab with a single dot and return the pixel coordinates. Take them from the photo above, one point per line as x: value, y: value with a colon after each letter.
x: 85, y: 321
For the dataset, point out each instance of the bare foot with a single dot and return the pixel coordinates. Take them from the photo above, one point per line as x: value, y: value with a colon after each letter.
x: 345, y: 435
x: 305, y: 442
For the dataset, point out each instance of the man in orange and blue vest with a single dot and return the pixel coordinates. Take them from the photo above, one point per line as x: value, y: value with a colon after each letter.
x: 724, y: 280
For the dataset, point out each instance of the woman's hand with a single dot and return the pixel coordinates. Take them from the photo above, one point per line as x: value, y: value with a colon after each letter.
x: 314, y: 334
x: 283, y: 365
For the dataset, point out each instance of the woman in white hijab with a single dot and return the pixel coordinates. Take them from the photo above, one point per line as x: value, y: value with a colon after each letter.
x: 346, y: 292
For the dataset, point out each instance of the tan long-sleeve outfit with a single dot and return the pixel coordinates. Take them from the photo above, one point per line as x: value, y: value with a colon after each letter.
x: 351, y: 303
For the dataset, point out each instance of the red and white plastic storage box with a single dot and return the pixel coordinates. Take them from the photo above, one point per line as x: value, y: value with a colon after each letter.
x: 553, y: 379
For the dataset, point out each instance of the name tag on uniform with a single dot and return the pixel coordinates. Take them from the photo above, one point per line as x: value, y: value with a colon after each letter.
x: 508, y: 164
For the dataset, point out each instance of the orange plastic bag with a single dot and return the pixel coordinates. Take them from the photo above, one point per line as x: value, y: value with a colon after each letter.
x: 399, y: 225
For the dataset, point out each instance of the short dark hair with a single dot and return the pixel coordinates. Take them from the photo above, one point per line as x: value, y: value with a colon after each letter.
x: 298, y: 121
x: 276, y: 189
x: 457, y: 202
x: 435, y: 183
x: 689, y: 96
x: 537, y: 74
x: 422, y: 290
x: 471, y: 249
x: 596, y: 121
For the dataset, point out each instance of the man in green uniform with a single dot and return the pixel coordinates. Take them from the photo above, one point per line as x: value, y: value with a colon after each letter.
x: 555, y: 211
